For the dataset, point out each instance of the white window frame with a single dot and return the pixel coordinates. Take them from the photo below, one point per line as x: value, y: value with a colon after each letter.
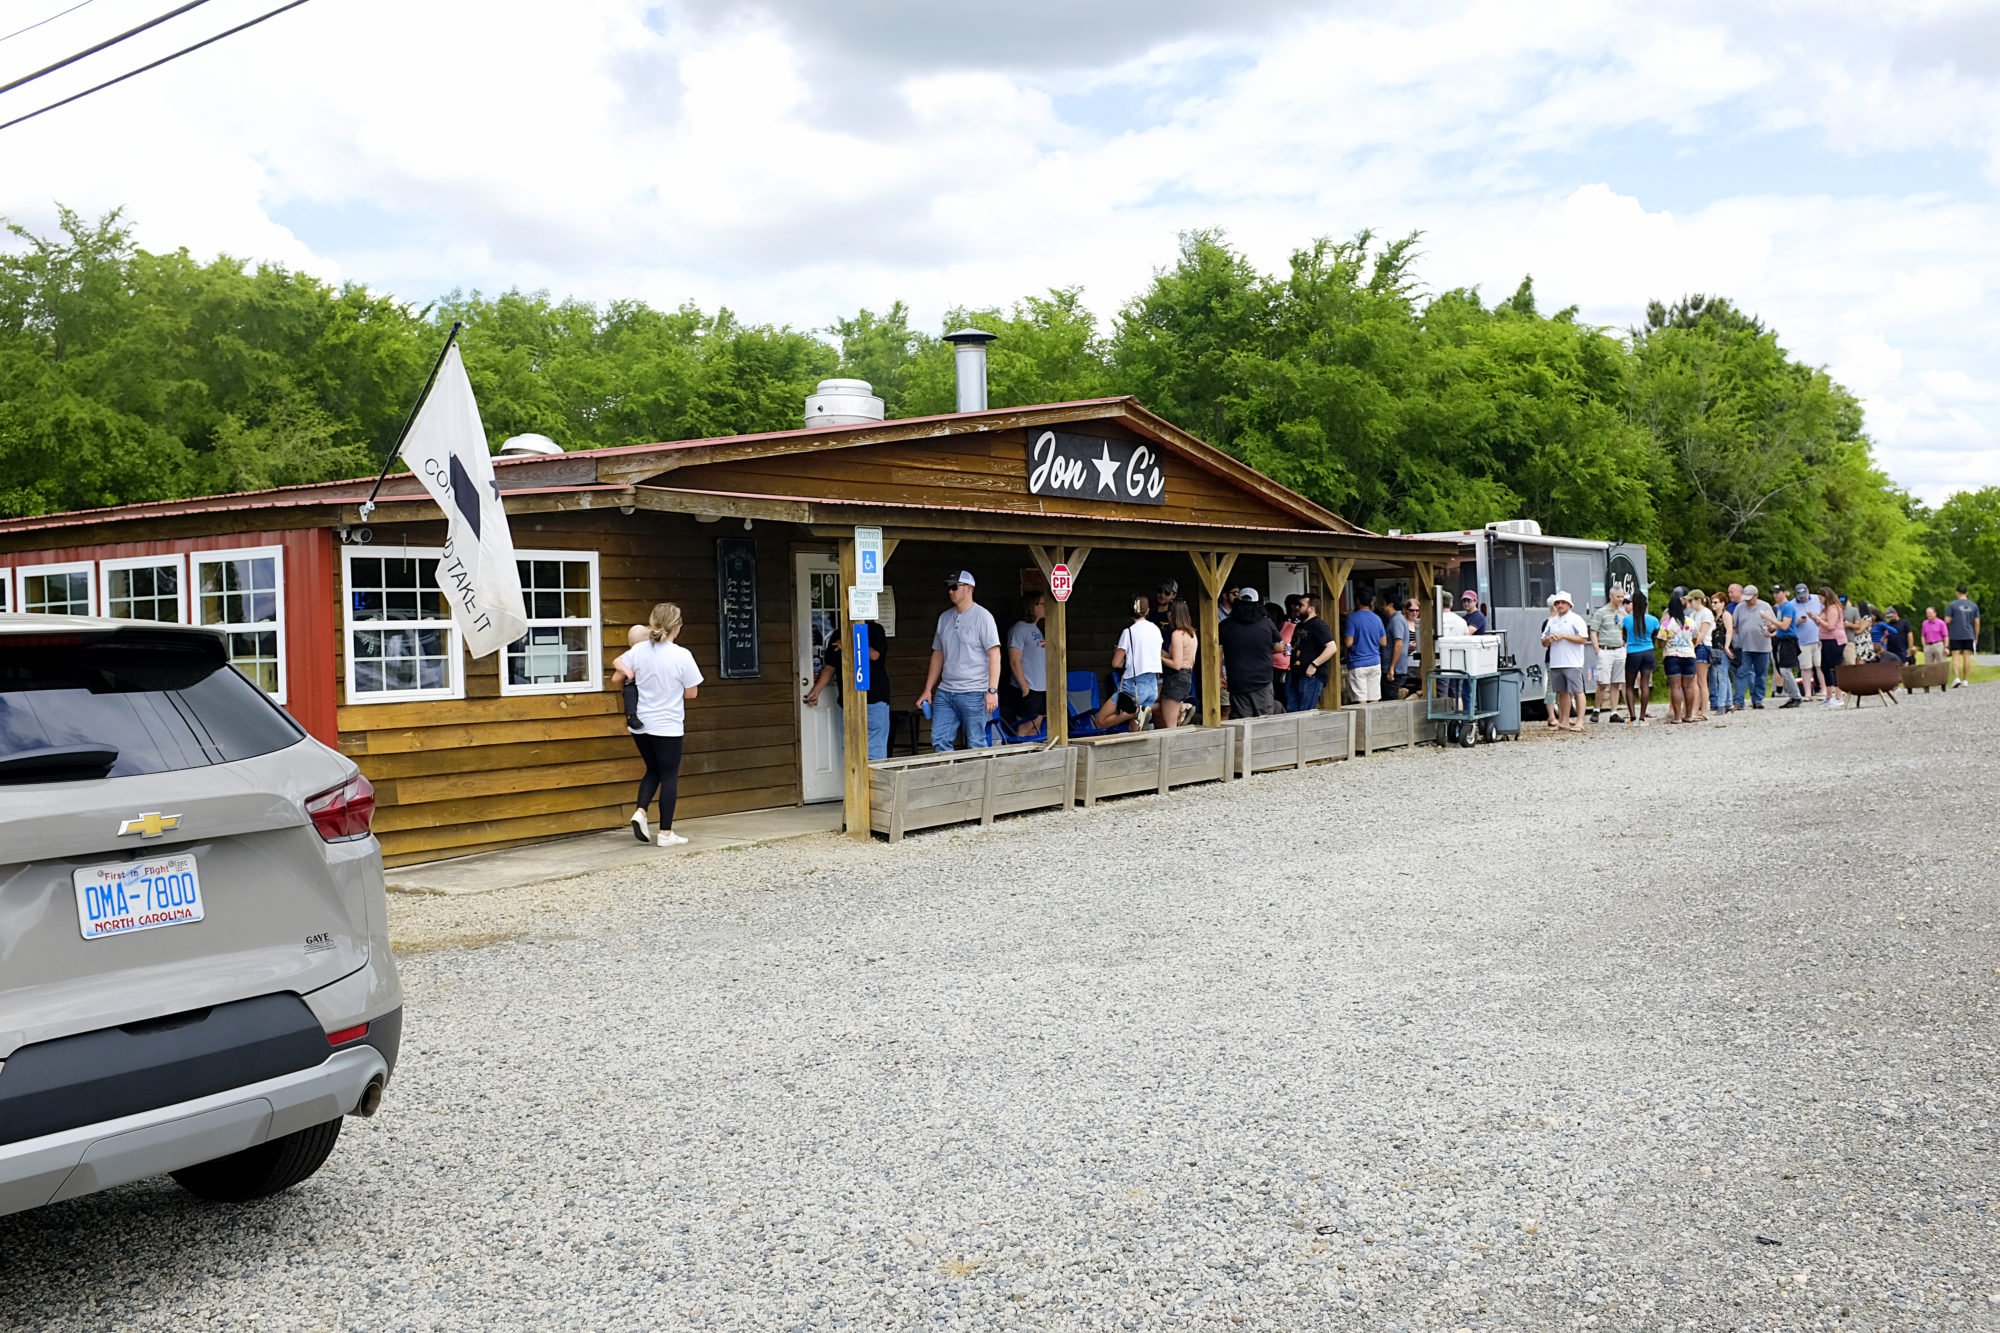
x: 105, y: 568
x: 595, y: 654
x: 196, y: 559
x: 454, y: 652
x: 7, y: 589
x: 22, y: 573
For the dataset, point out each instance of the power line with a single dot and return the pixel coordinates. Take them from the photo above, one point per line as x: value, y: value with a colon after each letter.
x: 186, y: 50
x: 109, y: 41
x: 50, y: 19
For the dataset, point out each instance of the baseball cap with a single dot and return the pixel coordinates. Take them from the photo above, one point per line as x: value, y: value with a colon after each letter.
x: 1800, y: 587
x: 964, y: 576
x: 1246, y: 595
x: 1469, y: 596
x: 1749, y: 590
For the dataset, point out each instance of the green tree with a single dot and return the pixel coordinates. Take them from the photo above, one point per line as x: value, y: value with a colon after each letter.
x: 1963, y: 539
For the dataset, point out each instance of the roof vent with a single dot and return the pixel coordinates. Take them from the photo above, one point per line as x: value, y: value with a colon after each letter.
x: 529, y: 446
x: 842, y: 403
x: 1517, y: 527
x: 970, y: 345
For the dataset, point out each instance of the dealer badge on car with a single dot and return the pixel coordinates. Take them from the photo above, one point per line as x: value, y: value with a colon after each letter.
x: 149, y: 825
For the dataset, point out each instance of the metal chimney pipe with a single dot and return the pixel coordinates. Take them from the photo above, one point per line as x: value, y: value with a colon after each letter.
x: 970, y: 362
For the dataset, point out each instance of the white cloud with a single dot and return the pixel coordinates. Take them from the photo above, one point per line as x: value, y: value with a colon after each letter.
x: 795, y: 166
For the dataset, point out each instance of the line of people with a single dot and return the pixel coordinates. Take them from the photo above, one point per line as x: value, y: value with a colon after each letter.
x: 1732, y: 650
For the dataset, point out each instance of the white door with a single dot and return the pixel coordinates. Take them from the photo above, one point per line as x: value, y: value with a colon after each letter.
x: 818, y: 625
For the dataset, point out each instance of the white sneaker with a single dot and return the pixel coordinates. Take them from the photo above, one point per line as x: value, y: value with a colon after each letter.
x: 671, y: 839
x: 639, y: 828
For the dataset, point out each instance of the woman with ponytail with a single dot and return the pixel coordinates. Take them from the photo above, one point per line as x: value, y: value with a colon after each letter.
x: 667, y: 678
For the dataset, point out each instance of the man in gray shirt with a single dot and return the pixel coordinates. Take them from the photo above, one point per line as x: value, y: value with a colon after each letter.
x: 963, y: 687
x: 1753, y: 642
x: 1961, y: 618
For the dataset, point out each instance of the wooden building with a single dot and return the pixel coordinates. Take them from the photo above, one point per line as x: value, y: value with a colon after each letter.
x: 753, y: 535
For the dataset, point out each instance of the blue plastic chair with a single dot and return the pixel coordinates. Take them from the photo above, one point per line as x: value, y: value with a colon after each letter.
x: 1084, y: 701
x: 999, y: 732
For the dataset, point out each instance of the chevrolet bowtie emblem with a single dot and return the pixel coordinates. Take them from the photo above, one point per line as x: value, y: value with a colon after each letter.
x: 150, y: 825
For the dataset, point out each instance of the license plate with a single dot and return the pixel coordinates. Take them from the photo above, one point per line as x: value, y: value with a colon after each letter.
x: 136, y: 895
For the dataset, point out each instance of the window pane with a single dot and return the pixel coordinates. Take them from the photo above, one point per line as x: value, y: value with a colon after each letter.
x: 576, y: 605
x: 550, y: 656
x: 256, y: 656
x: 56, y: 594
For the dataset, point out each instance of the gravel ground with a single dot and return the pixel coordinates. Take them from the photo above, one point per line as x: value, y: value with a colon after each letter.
x: 1683, y: 1028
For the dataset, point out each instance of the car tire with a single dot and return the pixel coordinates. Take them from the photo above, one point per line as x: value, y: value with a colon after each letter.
x: 263, y: 1170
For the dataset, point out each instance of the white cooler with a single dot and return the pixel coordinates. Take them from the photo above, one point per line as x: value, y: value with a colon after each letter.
x: 1474, y: 654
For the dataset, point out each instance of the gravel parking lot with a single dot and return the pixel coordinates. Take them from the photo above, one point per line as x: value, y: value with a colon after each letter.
x: 1685, y: 1028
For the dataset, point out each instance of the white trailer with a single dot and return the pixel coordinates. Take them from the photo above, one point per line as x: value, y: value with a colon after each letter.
x: 1514, y: 569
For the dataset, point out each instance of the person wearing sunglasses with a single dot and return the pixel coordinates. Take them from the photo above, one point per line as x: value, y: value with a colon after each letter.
x: 962, y: 689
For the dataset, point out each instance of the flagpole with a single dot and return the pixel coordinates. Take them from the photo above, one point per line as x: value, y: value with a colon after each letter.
x: 395, y: 450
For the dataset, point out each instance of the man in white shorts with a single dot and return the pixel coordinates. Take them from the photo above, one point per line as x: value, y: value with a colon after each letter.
x: 1607, y: 636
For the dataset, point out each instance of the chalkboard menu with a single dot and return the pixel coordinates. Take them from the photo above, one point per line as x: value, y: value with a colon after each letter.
x: 736, y: 596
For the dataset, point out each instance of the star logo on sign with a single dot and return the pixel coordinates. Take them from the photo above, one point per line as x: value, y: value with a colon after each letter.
x: 1107, y: 468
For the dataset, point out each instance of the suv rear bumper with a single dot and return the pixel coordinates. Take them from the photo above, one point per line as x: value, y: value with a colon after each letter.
x: 75, y: 1162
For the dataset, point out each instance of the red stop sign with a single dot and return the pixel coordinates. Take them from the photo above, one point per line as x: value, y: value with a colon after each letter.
x: 1059, y: 582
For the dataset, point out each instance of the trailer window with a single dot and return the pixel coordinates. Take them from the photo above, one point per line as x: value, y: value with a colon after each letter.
x: 1541, y: 571
x: 1507, y: 574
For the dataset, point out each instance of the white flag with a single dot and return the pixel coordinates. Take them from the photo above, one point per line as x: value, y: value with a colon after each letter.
x: 446, y: 449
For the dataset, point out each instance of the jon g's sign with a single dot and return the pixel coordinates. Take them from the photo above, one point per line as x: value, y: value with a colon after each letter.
x: 1085, y: 467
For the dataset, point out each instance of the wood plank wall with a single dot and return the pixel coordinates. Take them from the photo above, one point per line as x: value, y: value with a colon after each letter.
x: 458, y: 776
x: 988, y: 470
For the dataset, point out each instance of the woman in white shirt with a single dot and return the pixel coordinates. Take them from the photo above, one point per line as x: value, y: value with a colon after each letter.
x: 1702, y: 620
x: 1138, y: 655
x: 667, y: 678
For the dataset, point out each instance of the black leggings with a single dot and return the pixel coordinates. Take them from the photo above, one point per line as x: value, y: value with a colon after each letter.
x: 663, y: 774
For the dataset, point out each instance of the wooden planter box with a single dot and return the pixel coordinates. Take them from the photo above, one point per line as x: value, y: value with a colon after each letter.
x: 1152, y: 760
x: 1292, y: 740
x: 927, y: 790
x: 1385, y: 725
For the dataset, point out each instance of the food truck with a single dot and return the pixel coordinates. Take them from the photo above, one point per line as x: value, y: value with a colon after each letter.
x: 1514, y: 568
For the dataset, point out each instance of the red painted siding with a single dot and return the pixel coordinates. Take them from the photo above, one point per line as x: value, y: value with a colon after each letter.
x: 309, y: 607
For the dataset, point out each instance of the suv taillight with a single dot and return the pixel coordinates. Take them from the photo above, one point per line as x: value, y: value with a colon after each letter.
x: 343, y: 814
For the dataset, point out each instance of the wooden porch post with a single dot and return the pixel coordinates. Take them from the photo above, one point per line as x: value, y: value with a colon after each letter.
x: 853, y: 709
x: 1427, y: 634
x: 853, y: 703
x: 1336, y: 572
x: 1056, y: 663
x: 1212, y: 568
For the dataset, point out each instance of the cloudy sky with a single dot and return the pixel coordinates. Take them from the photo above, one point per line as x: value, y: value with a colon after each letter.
x: 1830, y: 166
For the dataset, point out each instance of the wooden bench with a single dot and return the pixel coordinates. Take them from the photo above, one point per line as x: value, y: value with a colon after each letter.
x: 1155, y: 761
x: 929, y: 790
x: 1292, y: 740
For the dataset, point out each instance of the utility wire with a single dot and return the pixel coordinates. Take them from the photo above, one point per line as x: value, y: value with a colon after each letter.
x: 154, y: 65
x: 109, y: 41
x: 50, y: 19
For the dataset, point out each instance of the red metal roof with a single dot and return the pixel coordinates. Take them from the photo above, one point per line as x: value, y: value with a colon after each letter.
x: 403, y: 486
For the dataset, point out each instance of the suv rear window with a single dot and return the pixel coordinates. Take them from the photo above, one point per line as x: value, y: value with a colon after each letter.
x: 127, y: 702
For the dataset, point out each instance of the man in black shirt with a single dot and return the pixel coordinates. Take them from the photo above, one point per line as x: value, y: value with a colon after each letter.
x: 1475, y: 619
x: 1248, y: 640
x: 1312, y: 650
x: 878, y: 687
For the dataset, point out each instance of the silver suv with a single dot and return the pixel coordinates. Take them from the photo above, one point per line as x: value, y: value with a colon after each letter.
x: 195, y: 975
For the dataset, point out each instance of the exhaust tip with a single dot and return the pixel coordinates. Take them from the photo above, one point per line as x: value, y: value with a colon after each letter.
x: 371, y: 1098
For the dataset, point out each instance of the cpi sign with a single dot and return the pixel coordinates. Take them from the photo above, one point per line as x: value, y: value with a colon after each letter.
x: 1060, y: 582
